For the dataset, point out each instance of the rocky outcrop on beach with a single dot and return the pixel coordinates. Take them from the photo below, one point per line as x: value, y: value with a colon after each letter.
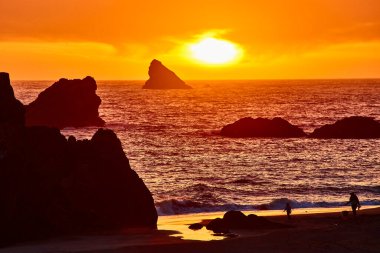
x: 11, y: 110
x: 262, y: 128
x: 355, y: 127
x: 160, y: 77
x: 50, y: 185
x: 11, y: 117
x: 57, y: 186
x: 67, y: 103
x: 238, y: 220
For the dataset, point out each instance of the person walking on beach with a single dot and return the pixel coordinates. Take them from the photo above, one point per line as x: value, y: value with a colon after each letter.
x: 288, y: 210
x: 355, y: 204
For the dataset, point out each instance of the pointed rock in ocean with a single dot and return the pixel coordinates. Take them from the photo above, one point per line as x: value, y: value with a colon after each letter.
x: 160, y: 77
x: 67, y: 103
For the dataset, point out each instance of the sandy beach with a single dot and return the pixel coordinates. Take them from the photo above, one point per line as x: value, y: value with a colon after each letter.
x: 314, y: 230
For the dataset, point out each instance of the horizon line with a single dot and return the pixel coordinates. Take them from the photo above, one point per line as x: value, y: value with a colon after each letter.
x: 190, y: 80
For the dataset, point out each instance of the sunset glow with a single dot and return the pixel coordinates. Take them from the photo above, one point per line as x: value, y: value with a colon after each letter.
x: 117, y: 39
x: 189, y: 126
x: 214, y: 51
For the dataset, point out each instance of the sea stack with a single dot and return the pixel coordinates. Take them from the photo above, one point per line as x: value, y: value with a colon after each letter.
x: 355, y: 127
x: 262, y: 128
x: 67, y: 103
x: 160, y: 77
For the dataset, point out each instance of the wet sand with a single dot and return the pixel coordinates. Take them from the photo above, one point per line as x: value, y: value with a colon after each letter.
x: 315, y: 230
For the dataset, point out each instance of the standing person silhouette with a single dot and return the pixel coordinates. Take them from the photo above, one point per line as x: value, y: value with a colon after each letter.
x: 288, y: 210
x: 355, y: 204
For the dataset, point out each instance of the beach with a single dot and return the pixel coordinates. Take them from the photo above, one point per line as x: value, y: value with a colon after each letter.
x: 190, y: 127
x: 313, y: 230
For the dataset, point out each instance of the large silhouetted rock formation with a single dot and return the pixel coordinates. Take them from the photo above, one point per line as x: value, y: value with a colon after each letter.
x: 260, y: 127
x: 67, y: 103
x: 58, y: 186
x: 11, y: 117
x: 160, y: 77
x: 50, y: 185
x: 355, y: 127
x: 238, y: 220
x: 11, y: 110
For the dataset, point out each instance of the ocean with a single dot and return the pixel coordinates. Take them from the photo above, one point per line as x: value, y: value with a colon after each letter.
x: 171, y: 139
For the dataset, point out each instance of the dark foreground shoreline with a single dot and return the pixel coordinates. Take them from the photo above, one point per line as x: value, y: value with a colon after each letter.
x: 319, y: 232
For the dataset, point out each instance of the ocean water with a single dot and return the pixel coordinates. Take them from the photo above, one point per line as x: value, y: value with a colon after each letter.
x: 171, y: 139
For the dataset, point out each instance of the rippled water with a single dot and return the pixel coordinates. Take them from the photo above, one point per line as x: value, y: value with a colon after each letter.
x: 171, y: 140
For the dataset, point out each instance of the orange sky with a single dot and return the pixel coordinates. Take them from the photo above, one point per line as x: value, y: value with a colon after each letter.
x: 117, y: 39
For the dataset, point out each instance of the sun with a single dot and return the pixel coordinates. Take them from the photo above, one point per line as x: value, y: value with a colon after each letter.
x: 215, y: 51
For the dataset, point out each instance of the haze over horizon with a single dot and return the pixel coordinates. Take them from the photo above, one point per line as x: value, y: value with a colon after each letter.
x: 116, y: 40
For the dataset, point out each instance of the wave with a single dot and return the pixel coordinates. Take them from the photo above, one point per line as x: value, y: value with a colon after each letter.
x: 174, y: 206
x: 279, y: 204
x: 251, y: 181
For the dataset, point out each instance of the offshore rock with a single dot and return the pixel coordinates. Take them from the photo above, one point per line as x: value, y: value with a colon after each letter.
x: 355, y: 127
x: 263, y: 128
x: 160, y: 77
x: 67, y: 103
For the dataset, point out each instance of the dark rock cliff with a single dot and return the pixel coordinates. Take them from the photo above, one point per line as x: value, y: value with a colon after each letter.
x: 50, y: 185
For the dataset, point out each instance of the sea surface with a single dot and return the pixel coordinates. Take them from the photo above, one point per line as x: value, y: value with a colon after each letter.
x: 171, y: 139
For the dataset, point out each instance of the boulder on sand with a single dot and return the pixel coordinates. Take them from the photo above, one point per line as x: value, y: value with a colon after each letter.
x: 238, y: 220
x: 160, y: 77
x: 217, y: 225
x: 355, y: 127
x: 195, y: 226
x: 67, y: 103
x: 263, y: 128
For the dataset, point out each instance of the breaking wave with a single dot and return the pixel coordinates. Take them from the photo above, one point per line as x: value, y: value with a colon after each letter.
x: 174, y: 206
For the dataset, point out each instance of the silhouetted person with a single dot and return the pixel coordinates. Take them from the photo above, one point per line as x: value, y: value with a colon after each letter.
x: 355, y: 204
x: 288, y: 210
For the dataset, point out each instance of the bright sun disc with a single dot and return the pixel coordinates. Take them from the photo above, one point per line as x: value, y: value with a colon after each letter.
x: 214, y: 51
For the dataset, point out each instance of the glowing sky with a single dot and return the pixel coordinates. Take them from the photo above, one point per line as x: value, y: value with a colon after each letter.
x: 117, y: 39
